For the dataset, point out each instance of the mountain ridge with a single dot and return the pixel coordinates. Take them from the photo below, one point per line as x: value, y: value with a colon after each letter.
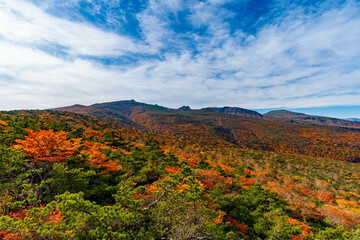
x: 319, y: 136
x: 353, y: 119
x: 290, y: 116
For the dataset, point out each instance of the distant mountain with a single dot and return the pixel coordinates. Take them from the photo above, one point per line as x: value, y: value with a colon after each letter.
x: 288, y: 116
x: 278, y: 131
x: 130, y: 110
x: 77, y: 108
x: 284, y: 114
x: 236, y: 111
x: 353, y: 119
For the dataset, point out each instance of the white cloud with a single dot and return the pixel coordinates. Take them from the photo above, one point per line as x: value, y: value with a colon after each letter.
x: 298, y: 60
x: 24, y: 23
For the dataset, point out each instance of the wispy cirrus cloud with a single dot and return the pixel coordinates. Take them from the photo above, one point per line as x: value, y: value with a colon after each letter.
x: 196, y: 53
x: 25, y: 24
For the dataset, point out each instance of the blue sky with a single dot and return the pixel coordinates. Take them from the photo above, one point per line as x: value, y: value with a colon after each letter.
x: 256, y: 54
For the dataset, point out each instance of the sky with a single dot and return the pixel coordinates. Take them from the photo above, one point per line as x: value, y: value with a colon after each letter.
x: 256, y: 54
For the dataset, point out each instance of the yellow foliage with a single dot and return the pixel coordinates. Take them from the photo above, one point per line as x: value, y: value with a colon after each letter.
x: 347, y: 204
x: 354, y: 194
x: 182, y: 187
x: 6, y: 196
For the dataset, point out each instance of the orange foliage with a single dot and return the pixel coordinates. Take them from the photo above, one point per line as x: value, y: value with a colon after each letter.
x: 341, y: 217
x: 247, y: 181
x: 305, y: 209
x: 11, y: 235
x: 208, y: 184
x: 165, y: 150
x: 138, y: 145
x: 212, y: 177
x: 146, y: 196
x: 93, y: 133
x: 284, y: 190
x: 192, y: 163
x: 228, y: 169
x: 248, y: 171
x: 152, y: 188
x: 326, y: 197
x: 188, y: 158
x: 305, y: 229
x: 3, y: 124
x: 297, y: 237
x: 262, y: 174
x: 304, y: 191
x: 97, y: 159
x: 219, y: 219
x: 124, y: 151
x: 182, y: 187
x: 17, y: 234
x: 55, y: 217
x: 47, y: 145
x: 172, y: 170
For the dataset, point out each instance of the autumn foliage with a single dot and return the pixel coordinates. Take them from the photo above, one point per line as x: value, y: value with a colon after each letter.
x: 239, y: 227
x: 51, y: 218
x: 47, y: 145
x: 85, y: 178
x: 97, y: 158
x: 212, y: 177
x: 305, y: 229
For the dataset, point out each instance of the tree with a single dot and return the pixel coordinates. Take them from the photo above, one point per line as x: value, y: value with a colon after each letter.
x: 97, y: 158
x: 48, y: 146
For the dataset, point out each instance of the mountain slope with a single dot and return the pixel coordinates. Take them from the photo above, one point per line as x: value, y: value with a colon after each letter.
x: 236, y: 111
x: 288, y: 116
x: 207, y: 127
x: 103, y: 179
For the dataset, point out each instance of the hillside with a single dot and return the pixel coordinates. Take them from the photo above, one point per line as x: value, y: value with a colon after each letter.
x: 236, y: 111
x: 278, y: 132
x: 71, y: 176
x: 288, y: 116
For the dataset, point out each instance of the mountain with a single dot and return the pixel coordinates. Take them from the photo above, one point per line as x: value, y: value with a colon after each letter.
x: 353, y: 119
x: 140, y: 171
x: 128, y: 107
x: 236, y: 111
x: 288, y: 116
x: 279, y: 131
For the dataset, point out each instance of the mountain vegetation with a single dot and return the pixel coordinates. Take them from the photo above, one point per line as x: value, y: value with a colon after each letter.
x: 129, y: 170
x: 288, y: 116
x: 277, y: 132
x: 236, y: 111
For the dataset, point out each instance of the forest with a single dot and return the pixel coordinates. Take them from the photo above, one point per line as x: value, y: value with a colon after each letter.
x: 65, y: 175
